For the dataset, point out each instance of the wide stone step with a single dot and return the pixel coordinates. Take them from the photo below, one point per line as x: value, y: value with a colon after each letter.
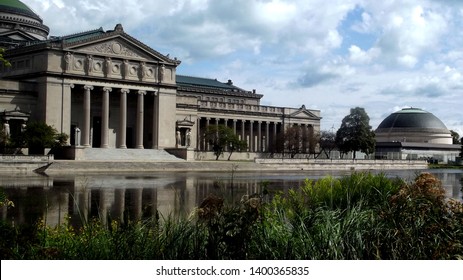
x: 99, y: 154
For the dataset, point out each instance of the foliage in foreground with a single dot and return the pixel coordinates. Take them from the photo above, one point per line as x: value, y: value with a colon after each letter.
x: 361, y: 216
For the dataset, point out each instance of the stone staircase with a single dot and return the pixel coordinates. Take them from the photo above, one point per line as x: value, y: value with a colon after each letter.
x: 98, y: 154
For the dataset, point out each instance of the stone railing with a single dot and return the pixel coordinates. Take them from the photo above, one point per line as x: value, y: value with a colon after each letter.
x: 347, y: 164
x: 241, y: 107
x: 26, y: 159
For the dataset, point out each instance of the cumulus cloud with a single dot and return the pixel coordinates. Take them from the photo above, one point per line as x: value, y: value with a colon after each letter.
x: 386, y: 50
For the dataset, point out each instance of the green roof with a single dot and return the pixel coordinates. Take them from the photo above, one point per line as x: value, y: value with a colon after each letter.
x: 82, y: 35
x: 203, y: 82
x: 17, y: 6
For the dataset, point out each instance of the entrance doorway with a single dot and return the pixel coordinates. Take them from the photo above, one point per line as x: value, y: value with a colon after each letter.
x: 96, y: 137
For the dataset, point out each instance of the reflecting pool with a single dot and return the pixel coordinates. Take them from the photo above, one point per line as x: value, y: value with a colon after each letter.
x: 142, y: 195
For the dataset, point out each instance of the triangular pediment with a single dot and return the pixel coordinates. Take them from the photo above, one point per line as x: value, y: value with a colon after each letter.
x: 115, y: 44
x: 15, y: 114
x: 303, y: 113
x: 118, y: 47
x: 17, y: 35
x: 185, y: 123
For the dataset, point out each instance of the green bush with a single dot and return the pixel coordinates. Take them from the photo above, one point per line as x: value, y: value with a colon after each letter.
x: 361, y: 216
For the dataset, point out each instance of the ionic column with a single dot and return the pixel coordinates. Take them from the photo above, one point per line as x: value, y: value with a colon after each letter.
x: 274, y: 140
x: 140, y: 113
x: 123, y: 119
x: 105, y: 118
x: 234, y: 126
x: 267, y: 134
x: 251, y: 136
x: 86, y: 128
x: 206, y: 143
x: 243, y: 124
x: 259, y: 136
x: 155, y: 121
x: 198, y: 134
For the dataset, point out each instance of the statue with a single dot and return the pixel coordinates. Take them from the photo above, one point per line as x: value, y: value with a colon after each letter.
x: 77, y: 136
x: 108, y: 66
x: 125, y: 68
x: 188, y: 138
x: 162, y: 72
x: 143, y: 69
x: 6, y: 129
x: 178, y: 138
x: 67, y: 61
x: 89, y: 63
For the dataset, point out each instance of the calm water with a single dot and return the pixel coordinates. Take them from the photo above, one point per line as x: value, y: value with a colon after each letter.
x: 53, y: 199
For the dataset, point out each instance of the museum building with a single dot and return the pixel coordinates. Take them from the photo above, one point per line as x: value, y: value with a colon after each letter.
x: 108, y: 90
x: 413, y: 133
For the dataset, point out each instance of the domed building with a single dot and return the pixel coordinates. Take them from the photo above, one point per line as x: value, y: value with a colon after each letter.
x: 413, y: 133
x: 118, y: 98
x: 19, y: 24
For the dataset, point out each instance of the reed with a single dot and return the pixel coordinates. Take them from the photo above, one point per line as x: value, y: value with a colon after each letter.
x: 360, y: 216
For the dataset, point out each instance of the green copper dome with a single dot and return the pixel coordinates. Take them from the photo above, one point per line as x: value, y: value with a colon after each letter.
x: 18, y: 7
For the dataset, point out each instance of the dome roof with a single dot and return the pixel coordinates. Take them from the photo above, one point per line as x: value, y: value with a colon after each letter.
x: 19, y: 24
x: 412, y: 118
x: 18, y: 7
x: 413, y: 125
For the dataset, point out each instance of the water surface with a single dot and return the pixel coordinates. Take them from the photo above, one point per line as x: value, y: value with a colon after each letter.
x: 142, y: 195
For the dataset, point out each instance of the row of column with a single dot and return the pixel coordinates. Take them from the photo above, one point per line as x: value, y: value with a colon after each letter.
x: 122, y: 132
x: 263, y: 139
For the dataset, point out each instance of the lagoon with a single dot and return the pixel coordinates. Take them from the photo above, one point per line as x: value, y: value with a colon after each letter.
x: 55, y: 199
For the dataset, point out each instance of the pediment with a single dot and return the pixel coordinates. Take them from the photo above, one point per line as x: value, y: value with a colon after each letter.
x: 18, y: 35
x: 119, y: 47
x: 303, y: 113
x: 15, y: 114
x: 185, y: 123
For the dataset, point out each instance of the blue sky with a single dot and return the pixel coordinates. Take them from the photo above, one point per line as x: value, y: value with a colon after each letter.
x: 328, y: 55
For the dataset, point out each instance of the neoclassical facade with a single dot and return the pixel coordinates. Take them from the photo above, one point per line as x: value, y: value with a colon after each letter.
x: 107, y: 90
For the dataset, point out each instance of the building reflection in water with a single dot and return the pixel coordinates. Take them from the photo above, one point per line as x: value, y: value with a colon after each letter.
x: 80, y: 198
x: 53, y: 200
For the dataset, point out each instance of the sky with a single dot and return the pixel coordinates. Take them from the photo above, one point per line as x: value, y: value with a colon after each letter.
x: 327, y: 55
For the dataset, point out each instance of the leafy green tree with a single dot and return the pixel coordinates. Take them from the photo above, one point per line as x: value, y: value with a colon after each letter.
x: 327, y: 142
x: 296, y: 140
x: 38, y: 135
x: 355, y: 133
x: 223, y: 138
x: 293, y: 139
x: 455, y: 137
x: 3, y: 140
x: 2, y: 58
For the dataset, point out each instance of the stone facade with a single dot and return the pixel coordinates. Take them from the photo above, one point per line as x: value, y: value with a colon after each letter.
x: 106, y: 89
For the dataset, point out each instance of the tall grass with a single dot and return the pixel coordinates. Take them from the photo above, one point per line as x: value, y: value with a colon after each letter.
x: 360, y: 216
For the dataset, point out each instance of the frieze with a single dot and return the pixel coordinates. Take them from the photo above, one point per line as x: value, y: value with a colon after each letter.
x: 113, y: 48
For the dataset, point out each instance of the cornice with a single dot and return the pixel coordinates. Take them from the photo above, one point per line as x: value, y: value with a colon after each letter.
x: 187, y: 89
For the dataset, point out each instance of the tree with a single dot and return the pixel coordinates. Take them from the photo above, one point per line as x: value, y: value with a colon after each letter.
x: 38, y: 135
x: 355, y: 133
x: 3, y: 140
x: 2, y: 58
x: 455, y: 137
x: 222, y: 138
x: 327, y: 142
x: 295, y: 140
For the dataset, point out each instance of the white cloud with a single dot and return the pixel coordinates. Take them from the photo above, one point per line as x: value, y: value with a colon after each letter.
x: 293, y: 51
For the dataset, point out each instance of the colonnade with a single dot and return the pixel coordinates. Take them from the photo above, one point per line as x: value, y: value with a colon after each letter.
x: 260, y: 135
x: 122, y: 129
